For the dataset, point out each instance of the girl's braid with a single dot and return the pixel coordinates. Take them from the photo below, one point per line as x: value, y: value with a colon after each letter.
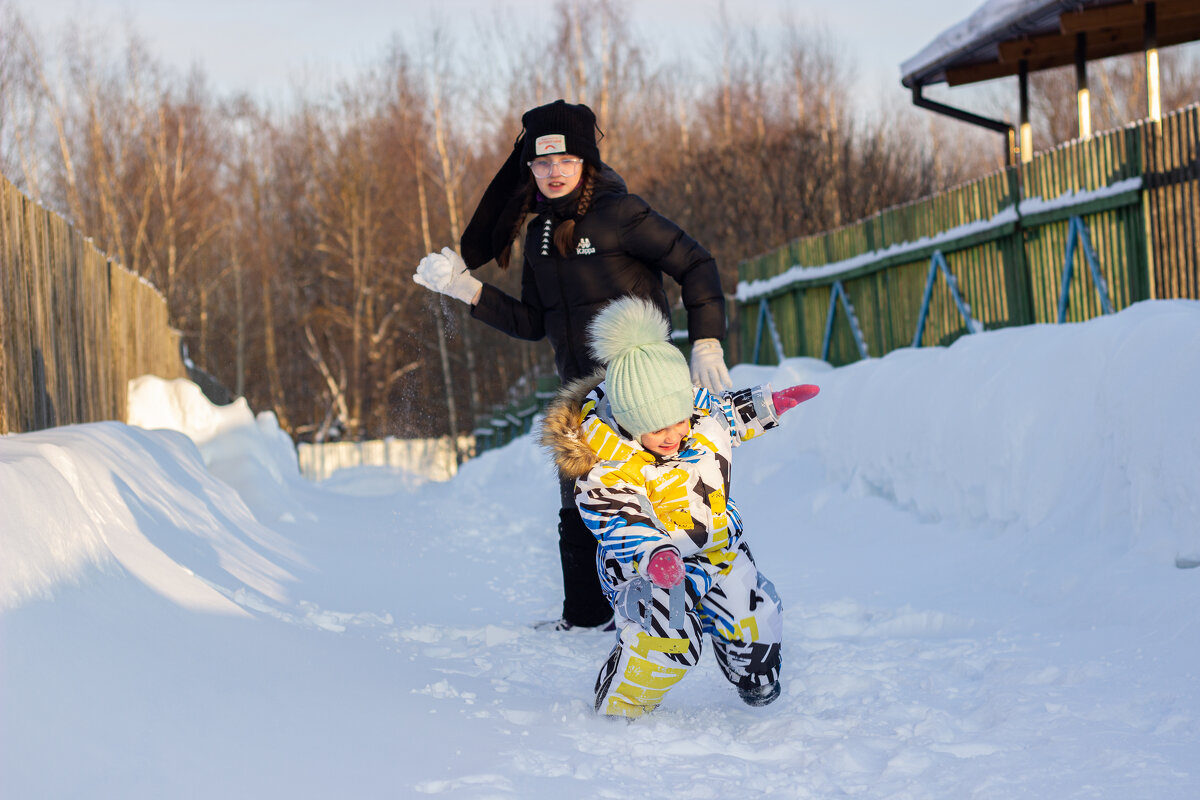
x: 505, y: 255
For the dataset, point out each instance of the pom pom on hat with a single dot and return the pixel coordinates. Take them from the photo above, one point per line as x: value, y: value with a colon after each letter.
x: 648, y: 380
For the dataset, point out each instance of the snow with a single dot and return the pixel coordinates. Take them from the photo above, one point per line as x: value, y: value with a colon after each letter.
x: 1036, y: 205
x: 976, y: 546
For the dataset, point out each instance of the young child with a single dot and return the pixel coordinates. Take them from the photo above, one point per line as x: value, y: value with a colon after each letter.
x: 652, y: 460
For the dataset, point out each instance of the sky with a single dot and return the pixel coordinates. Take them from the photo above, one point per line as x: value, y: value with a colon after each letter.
x: 987, y: 556
x: 263, y: 46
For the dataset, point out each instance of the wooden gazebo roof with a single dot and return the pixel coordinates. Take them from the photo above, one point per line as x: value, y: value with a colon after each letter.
x: 1019, y: 37
x: 1045, y: 34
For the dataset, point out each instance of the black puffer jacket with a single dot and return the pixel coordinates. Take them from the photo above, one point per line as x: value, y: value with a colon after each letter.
x: 623, y: 248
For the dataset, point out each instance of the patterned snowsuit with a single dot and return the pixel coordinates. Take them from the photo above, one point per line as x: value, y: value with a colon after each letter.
x: 635, y: 502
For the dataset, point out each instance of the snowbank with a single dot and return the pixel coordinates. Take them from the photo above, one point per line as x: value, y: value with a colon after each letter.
x: 88, y: 497
x: 1059, y: 427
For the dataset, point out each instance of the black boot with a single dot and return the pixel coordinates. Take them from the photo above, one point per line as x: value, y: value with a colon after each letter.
x: 761, y: 695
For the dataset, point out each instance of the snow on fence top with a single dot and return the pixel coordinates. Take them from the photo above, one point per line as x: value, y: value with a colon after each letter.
x: 748, y: 291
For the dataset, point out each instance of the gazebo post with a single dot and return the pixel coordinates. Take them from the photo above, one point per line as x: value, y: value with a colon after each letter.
x: 1026, y: 146
x: 1153, y: 93
x: 1083, y: 102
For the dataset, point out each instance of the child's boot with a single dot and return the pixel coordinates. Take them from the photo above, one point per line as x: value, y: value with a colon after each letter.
x: 761, y: 695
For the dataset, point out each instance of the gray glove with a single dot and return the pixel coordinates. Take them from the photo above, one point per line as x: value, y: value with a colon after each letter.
x: 447, y: 274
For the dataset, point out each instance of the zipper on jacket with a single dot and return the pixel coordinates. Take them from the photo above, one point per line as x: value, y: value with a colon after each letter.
x: 559, y: 261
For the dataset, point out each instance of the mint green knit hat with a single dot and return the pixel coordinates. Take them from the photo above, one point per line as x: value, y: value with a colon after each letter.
x: 649, y: 384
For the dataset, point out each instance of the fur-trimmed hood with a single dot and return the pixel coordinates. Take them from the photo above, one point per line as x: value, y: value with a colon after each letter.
x: 561, y: 434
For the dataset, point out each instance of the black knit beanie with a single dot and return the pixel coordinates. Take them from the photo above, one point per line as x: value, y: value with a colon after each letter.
x: 558, y: 127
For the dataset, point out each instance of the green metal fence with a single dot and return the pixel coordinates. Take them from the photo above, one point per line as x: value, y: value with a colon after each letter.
x: 508, y: 422
x: 1089, y: 227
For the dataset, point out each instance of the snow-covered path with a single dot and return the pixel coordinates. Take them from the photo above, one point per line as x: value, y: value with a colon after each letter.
x: 976, y: 547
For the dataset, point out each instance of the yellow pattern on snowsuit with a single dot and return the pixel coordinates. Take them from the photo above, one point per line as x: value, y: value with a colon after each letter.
x: 644, y: 683
x: 669, y: 495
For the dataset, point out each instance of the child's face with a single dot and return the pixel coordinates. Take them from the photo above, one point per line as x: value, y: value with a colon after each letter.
x: 666, y: 442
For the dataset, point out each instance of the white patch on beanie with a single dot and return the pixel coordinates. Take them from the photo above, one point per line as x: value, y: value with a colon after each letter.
x: 550, y: 143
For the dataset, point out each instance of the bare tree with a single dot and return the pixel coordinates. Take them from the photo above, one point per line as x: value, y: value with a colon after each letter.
x: 452, y: 170
x: 21, y: 101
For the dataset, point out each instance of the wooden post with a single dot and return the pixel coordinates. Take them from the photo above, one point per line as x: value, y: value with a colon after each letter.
x: 1082, y: 96
x: 3, y: 301
x: 1153, y: 93
x: 7, y: 260
x: 1026, y: 145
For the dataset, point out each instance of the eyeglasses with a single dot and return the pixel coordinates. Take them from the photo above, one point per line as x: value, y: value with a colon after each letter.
x: 544, y: 167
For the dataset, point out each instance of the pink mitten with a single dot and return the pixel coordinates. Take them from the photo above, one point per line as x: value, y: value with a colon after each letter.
x: 793, y: 396
x: 665, y: 568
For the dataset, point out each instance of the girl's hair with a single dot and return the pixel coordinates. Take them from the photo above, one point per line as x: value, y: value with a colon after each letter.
x: 504, y: 254
x: 564, y: 234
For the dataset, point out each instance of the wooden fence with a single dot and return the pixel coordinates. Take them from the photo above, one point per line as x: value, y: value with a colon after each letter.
x: 1089, y: 227
x: 75, y: 327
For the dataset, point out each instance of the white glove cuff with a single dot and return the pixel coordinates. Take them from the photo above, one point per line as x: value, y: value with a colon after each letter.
x: 464, y: 287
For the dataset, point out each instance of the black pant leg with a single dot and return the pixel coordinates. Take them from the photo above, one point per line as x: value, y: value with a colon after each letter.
x: 584, y: 603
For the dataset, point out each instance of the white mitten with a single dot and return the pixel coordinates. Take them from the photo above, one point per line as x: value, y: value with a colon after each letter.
x: 708, y: 366
x: 446, y: 273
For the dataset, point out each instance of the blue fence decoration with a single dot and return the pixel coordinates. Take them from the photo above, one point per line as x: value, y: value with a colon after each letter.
x: 1078, y: 232
x: 767, y: 320
x: 938, y: 263
x: 839, y: 293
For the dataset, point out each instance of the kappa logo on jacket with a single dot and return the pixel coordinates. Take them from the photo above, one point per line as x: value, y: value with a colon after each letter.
x: 584, y: 248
